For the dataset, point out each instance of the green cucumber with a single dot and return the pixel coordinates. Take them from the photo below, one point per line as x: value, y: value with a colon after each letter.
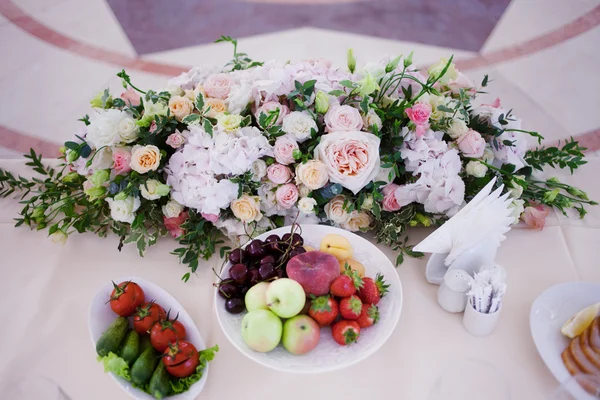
x: 143, y: 367
x: 131, y: 347
x: 145, y: 343
x: 111, y: 339
x: 160, y: 383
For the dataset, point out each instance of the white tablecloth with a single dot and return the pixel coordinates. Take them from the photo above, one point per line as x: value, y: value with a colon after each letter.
x: 46, y: 290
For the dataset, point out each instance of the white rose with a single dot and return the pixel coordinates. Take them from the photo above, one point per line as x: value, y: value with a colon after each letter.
x: 357, y: 221
x: 335, y: 210
x: 303, y: 191
x: 59, y: 237
x: 172, y: 209
x: 312, y: 174
x: 517, y: 207
x: 299, y: 124
x: 247, y: 208
x: 371, y: 118
x: 351, y: 158
x: 343, y: 118
x: 457, y: 128
x: 144, y: 158
x: 368, y: 203
x: 123, y: 210
x: 488, y: 155
x: 476, y: 169
x: 259, y: 170
x: 153, y: 189
x: 103, y: 129
x: 127, y: 128
x: 307, y: 205
x: 229, y: 122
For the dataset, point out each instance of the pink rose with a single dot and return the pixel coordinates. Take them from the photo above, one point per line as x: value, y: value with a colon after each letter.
x: 389, y: 197
x: 495, y: 104
x: 218, y: 86
x: 471, y: 144
x: 210, y: 217
x: 121, y: 159
x: 287, y: 195
x: 131, y: 96
x: 284, y: 148
x: 419, y: 115
x: 462, y: 82
x: 279, y: 174
x: 173, y: 225
x: 343, y: 118
x: 175, y: 140
x: 535, y: 217
x: 152, y: 126
x: 271, y: 106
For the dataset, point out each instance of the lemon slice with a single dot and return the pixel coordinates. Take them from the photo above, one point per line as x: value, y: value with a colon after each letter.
x: 580, y: 321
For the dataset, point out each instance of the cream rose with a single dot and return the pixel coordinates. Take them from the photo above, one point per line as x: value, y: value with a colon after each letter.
x: 312, y: 174
x: 127, y: 129
x: 217, y: 107
x: 59, y: 237
x: 153, y: 189
x: 372, y: 119
x: 457, y: 128
x: 357, y: 221
x: 218, y: 86
x: 172, y: 209
x: 299, y: 124
x: 229, y: 122
x: 476, y: 169
x: 343, y: 118
x: 307, y: 205
x: 180, y: 107
x: 303, y: 190
x: 123, y: 210
x: 144, y: 158
x: 351, y: 158
x: 247, y: 208
x: 334, y: 210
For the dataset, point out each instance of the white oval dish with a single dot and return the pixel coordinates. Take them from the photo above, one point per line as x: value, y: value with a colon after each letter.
x: 328, y: 355
x: 101, y: 316
x: 548, y: 314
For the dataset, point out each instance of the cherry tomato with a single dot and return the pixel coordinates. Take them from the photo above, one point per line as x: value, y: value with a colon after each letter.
x: 126, y: 297
x: 165, y: 332
x: 181, y: 359
x: 146, y: 316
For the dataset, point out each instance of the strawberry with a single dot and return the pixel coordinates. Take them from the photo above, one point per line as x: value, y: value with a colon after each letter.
x: 350, y: 307
x: 373, y: 290
x: 323, y: 309
x: 368, y: 316
x: 346, y: 284
x: 345, y: 332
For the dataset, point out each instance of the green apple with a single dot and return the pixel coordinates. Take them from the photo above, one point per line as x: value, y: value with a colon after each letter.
x: 285, y: 297
x: 261, y: 330
x: 256, y: 298
x: 301, y: 334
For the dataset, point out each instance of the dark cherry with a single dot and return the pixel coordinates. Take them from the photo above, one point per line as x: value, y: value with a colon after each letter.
x: 244, y: 290
x: 267, y: 271
x: 228, y: 288
x: 296, y: 251
x: 255, y: 249
x: 296, y: 240
x: 235, y: 305
x: 281, y: 273
x: 239, y: 273
x: 267, y: 260
x: 273, y: 245
x: 238, y: 256
x: 254, y: 276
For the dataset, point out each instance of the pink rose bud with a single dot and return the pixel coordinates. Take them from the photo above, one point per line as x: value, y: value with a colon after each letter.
x: 175, y: 140
x: 471, y: 144
x: 173, y: 225
x: 152, y: 126
x: 390, y: 203
x: 535, y: 217
x: 419, y: 115
x: 121, y: 159
x: 279, y: 174
x: 131, y: 96
x: 286, y: 195
x: 210, y: 217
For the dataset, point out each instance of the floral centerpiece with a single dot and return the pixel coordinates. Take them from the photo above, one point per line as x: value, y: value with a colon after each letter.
x: 252, y: 146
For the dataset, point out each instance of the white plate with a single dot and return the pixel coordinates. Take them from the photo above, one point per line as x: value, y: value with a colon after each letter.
x: 548, y: 314
x: 328, y: 355
x: 101, y: 316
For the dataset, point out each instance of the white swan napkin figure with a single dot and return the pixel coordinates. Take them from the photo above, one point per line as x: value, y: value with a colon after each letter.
x: 470, y: 239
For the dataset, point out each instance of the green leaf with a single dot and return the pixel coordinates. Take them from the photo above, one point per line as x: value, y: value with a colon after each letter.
x: 208, y: 127
x: 71, y: 145
x: 485, y: 80
x: 337, y: 93
x: 115, y: 364
x: 199, y: 103
x: 348, y: 84
x: 192, y: 119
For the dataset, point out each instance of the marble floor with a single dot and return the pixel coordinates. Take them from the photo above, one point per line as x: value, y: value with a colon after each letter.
x: 541, y: 55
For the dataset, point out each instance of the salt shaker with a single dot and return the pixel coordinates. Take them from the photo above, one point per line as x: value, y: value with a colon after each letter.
x: 452, y: 295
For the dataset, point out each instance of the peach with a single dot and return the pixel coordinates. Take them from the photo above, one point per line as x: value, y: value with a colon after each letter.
x: 314, y: 270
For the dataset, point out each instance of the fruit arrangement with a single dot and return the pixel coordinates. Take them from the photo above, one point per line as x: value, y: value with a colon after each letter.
x: 300, y: 291
x: 147, y: 347
x: 582, y: 356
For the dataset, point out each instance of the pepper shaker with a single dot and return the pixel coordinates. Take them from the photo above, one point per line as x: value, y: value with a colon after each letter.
x: 452, y: 293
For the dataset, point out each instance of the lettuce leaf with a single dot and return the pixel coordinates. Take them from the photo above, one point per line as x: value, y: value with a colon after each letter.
x: 180, y: 385
x: 115, y: 364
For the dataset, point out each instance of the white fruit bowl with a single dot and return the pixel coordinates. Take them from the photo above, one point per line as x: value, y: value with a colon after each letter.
x: 101, y: 316
x: 328, y: 355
